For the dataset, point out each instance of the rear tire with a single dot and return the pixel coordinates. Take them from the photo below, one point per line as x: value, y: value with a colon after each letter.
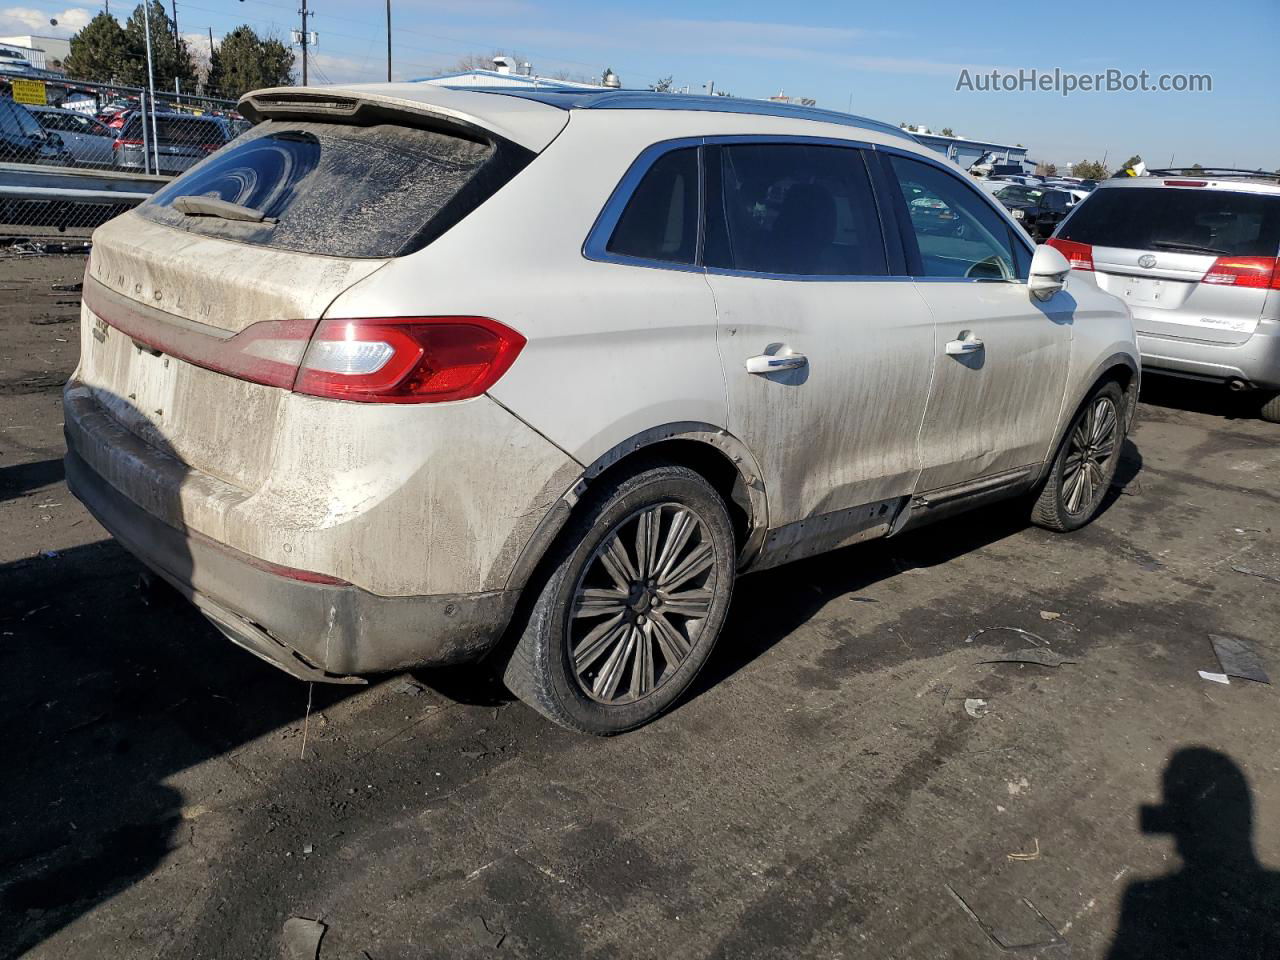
x: 1085, y: 464
x: 629, y: 604
x: 1270, y: 409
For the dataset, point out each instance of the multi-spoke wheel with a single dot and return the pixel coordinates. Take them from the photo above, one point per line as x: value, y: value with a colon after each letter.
x: 1086, y: 463
x: 631, y: 605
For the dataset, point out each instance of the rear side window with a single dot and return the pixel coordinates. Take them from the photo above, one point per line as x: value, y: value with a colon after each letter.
x: 338, y: 189
x: 660, y: 221
x: 793, y: 210
x: 1192, y: 219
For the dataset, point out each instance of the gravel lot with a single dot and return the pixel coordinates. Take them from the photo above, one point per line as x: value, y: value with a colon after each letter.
x: 825, y: 792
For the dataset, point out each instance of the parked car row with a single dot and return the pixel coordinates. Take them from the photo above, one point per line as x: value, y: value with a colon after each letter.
x: 114, y: 139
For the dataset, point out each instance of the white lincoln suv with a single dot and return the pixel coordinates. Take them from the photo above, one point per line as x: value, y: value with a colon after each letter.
x: 408, y: 375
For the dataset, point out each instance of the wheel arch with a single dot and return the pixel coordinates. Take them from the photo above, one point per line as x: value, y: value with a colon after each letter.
x: 711, y: 451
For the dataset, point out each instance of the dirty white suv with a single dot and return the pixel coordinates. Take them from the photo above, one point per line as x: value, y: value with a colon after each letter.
x: 408, y: 375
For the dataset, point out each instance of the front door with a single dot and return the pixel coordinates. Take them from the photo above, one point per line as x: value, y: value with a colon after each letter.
x: 1000, y: 355
x: 827, y: 359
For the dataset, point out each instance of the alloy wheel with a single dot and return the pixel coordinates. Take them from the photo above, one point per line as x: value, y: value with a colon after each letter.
x: 1092, y: 444
x: 641, y: 602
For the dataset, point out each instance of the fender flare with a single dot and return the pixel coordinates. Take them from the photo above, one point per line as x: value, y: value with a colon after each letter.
x: 716, y: 438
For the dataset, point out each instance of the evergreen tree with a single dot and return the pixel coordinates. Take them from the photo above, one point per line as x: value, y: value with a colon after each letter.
x: 97, y: 51
x: 169, y: 61
x: 245, y: 61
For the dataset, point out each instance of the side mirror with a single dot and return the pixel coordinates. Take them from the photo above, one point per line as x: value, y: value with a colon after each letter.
x: 1049, y: 270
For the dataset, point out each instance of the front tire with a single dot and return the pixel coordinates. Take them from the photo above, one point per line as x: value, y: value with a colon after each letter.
x: 1086, y: 463
x: 630, y: 603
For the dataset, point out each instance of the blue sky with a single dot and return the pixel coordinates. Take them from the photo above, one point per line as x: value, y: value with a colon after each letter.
x: 889, y: 61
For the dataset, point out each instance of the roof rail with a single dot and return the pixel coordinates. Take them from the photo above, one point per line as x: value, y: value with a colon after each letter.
x: 650, y: 100
x: 1214, y: 172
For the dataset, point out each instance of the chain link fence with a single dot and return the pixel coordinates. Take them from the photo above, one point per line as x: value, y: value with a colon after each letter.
x: 74, y: 154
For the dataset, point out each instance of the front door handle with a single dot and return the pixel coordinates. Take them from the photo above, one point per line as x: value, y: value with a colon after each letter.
x: 772, y: 364
x: 958, y: 348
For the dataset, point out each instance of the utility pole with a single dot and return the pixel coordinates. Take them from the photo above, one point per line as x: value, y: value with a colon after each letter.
x: 304, y: 38
x: 388, y: 41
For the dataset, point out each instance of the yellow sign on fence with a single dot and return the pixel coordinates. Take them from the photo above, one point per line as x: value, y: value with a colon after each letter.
x: 29, y: 91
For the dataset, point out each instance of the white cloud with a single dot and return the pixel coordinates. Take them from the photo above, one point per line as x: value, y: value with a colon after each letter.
x: 19, y: 20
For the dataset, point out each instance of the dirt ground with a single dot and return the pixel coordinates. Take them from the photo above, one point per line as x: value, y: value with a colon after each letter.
x: 833, y: 788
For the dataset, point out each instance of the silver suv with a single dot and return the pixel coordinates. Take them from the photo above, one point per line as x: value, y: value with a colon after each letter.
x: 1194, y: 255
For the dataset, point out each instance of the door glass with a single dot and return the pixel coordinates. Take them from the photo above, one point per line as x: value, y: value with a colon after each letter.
x: 958, y: 234
x: 795, y: 210
x: 660, y: 221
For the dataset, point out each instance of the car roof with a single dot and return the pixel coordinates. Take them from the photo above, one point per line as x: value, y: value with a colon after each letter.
x: 650, y: 100
x: 533, y: 117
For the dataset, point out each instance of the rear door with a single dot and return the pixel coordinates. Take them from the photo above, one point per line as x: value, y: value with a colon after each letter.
x: 826, y: 353
x: 1000, y: 356
x: 1193, y: 262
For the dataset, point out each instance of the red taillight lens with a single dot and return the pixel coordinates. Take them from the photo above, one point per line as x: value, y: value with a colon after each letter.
x: 118, y: 143
x: 1079, y: 255
x: 407, y: 359
x: 1186, y: 183
x: 1256, y: 273
x: 383, y: 360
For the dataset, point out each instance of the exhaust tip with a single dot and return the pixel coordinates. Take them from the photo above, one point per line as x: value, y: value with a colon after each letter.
x: 1238, y: 386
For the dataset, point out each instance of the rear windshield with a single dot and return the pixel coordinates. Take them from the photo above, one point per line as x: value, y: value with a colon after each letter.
x: 334, y: 189
x: 1192, y: 219
x: 183, y: 131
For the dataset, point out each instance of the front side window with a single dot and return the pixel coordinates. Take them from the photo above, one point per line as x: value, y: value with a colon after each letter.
x: 793, y: 209
x: 660, y: 221
x: 957, y: 233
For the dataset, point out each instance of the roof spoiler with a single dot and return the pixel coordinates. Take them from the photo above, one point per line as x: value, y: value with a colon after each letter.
x: 475, y: 116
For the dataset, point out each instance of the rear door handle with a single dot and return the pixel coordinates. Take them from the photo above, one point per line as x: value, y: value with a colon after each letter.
x: 772, y: 364
x: 958, y: 348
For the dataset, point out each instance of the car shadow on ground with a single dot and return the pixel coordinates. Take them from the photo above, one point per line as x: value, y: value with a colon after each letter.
x: 110, y: 687
x: 769, y: 606
x: 1194, y: 396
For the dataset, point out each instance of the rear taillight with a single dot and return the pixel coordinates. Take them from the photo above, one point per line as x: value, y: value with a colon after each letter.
x: 1256, y: 273
x: 1186, y: 183
x: 382, y: 360
x: 407, y: 359
x: 120, y: 142
x: 1079, y: 255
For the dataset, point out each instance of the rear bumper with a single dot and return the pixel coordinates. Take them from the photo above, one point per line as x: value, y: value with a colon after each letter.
x: 1256, y: 361
x: 314, y: 631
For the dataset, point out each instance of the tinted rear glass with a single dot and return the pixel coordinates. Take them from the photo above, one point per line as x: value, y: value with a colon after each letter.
x: 660, y: 221
x: 1155, y: 218
x: 335, y: 189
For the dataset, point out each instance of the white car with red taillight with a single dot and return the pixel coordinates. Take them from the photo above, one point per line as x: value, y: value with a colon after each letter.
x: 1195, y: 256
x: 404, y: 371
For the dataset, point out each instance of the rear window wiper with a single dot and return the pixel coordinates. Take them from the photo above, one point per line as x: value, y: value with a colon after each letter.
x: 197, y: 206
x: 1189, y: 247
